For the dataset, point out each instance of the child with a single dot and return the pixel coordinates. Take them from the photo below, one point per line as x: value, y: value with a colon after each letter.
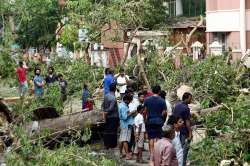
x: 63, y: 85
x: 177, y: 122
x: 139, y: 132
x: 87, y: 103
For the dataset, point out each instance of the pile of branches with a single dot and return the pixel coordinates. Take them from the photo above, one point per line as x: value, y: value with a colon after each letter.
x: 228, y: 134
x: 212, y: 79
x: 215, y: 85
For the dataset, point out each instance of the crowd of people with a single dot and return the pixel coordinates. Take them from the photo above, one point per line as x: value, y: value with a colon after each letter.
x: 38, y: 83
x: 142, y: 117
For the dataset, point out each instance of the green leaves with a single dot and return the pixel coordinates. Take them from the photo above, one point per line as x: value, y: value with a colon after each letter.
x: 7, y: 65
x: 231, y: 139
x: 39, y: 22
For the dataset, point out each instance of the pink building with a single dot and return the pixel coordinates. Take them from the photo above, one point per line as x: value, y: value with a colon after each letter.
x: 228, y: 22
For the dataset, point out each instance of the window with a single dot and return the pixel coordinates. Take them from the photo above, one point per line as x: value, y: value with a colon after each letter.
x: 221, y: 38
x: 171, y: 7
x: 187, y: 8
x: 193, y: 8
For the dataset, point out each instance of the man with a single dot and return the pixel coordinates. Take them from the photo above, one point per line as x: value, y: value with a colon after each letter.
x: 126, y: 122
x: 182, y: 110
x: 164, y: 153
x: 122, y: 81
x: 141, y: 98
x: 108, y: 79
x: 132, y: 108
x: 146, y: 92
x: 155, y: 108
x: 140, y: 130
x: 38, y: 83
x: 177, y: 122
x: 23, y: 85
x: 63, y: 85
x: 51, y: 77
x: 111, y: 118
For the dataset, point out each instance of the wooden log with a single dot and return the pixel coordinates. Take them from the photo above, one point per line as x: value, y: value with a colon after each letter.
x: 11, y: 100
x: 76, y: 121
x: 209, y: 110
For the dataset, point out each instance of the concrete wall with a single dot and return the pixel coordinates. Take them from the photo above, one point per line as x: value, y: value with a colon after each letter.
x: 248, y: 39
x: 224, y: 16
x: 213, y: 5
x: 248, y: 19
x: 228, y: 4
x: 223, y: 21
x: 247, y: 4
x: 233, y: 40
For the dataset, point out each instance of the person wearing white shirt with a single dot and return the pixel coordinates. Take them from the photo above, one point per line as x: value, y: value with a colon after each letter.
x: 122, y: 82
x: 132, y: 108
x: 139, y: 133
x: 177, y: 122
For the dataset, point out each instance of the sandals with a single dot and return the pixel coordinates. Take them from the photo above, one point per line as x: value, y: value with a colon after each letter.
x: 122, y: 156
x: 128, y: 157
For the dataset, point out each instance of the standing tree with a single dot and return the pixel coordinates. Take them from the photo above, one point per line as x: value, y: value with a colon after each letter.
x: 39, y: 22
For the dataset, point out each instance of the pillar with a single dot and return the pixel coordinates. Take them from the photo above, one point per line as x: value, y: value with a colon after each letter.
x: 179, y: 9
x: 243, y: 27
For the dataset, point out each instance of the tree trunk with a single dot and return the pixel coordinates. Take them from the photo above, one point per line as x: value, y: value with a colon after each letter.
x: 210, y: 110
x: 76, y: 121
x: 141, y: 67
x: 126, y: 54
x: 129, y: 43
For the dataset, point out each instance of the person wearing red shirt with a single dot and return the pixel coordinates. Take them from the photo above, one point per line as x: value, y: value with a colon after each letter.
x: 23, y: 84
x: 146, y: 92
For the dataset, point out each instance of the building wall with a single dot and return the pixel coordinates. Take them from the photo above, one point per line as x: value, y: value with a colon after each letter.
x: 224, y: 16
x: 223, y: 21
x: 112, y: 38
x: 248, y: 39
x: 228, y: 4
x: 226, y: 11
x: 212, y: 5
x: 115, y: 56
x: 233, y: 40
x: 248, y: 19
x: 247, y: 4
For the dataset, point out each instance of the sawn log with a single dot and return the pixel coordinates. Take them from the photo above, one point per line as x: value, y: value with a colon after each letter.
x: 76, y: 121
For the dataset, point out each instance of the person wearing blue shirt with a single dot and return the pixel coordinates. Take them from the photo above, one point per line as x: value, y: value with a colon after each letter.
x: 126, y: 124
x: 109, y: 79
x: 182, y: 110
x: 85, y: 96
x: 111, y: 118
x: 156, y: 111
x: 38, y: 83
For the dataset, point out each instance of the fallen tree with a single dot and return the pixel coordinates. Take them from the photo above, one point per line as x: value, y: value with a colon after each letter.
x: 76, y: 121
x: 210, y: 110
